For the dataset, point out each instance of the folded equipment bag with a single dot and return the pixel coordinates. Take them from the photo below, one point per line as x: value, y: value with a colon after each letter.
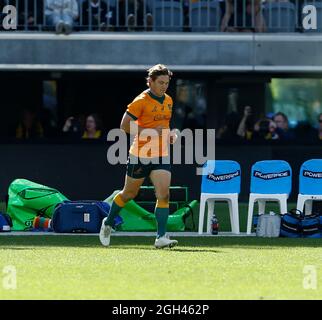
x: 27, y: 200
x: 79, y: 216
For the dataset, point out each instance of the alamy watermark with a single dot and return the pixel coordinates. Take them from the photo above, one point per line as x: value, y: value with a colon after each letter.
x: 9, y: 280
x: 310, y: 280
x: 309, y: 21
x: 153, y: 140
x: 9, y: 17
x: 309, y: 16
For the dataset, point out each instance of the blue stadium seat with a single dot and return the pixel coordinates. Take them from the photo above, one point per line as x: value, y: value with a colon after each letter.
x: 280, y: 16
x: 310, y: 186
x: 220, y: 182
x: 277, y: 183
x: 167, y: 16
x: 205, y: 16
x: 271, y: 180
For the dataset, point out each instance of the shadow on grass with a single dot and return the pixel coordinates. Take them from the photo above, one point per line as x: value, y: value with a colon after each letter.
x: 151, y: 248
x: 198, y: 250
x: 131, y: 242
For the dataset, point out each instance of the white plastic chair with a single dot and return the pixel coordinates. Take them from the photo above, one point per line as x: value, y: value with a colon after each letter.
x: 310, y: 185
x: 220, y: 182
x: 271, y: 180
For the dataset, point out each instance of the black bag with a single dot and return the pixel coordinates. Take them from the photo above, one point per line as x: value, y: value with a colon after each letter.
x: 311, y: 226
x: 296, y: 225
x: 290, y: 224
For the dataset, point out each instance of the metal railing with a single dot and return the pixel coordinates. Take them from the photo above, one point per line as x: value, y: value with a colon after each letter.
x: 171, y: 15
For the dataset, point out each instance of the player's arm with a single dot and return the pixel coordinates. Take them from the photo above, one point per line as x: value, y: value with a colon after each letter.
x: 128, y: 121
x: 125, y: 122
x: 133, y: 112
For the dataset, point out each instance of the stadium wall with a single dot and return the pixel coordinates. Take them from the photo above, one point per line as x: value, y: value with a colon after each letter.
x: 187, y: 52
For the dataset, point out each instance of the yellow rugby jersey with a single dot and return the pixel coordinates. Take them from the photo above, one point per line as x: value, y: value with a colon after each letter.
x: 150, y: 111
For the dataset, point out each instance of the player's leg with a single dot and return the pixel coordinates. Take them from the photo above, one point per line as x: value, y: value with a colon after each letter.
x: 135, y: 175
x: 161, y: 180
x: 129, y: 192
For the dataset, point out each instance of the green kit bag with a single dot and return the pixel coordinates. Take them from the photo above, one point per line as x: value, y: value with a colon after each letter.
x: 27, y: 200
x: 136, y: 218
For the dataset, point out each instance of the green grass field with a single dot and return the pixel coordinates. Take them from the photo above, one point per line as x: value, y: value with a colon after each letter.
x: 78, y: 267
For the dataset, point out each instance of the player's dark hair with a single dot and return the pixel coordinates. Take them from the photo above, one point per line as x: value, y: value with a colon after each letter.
x: 158, y: 70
